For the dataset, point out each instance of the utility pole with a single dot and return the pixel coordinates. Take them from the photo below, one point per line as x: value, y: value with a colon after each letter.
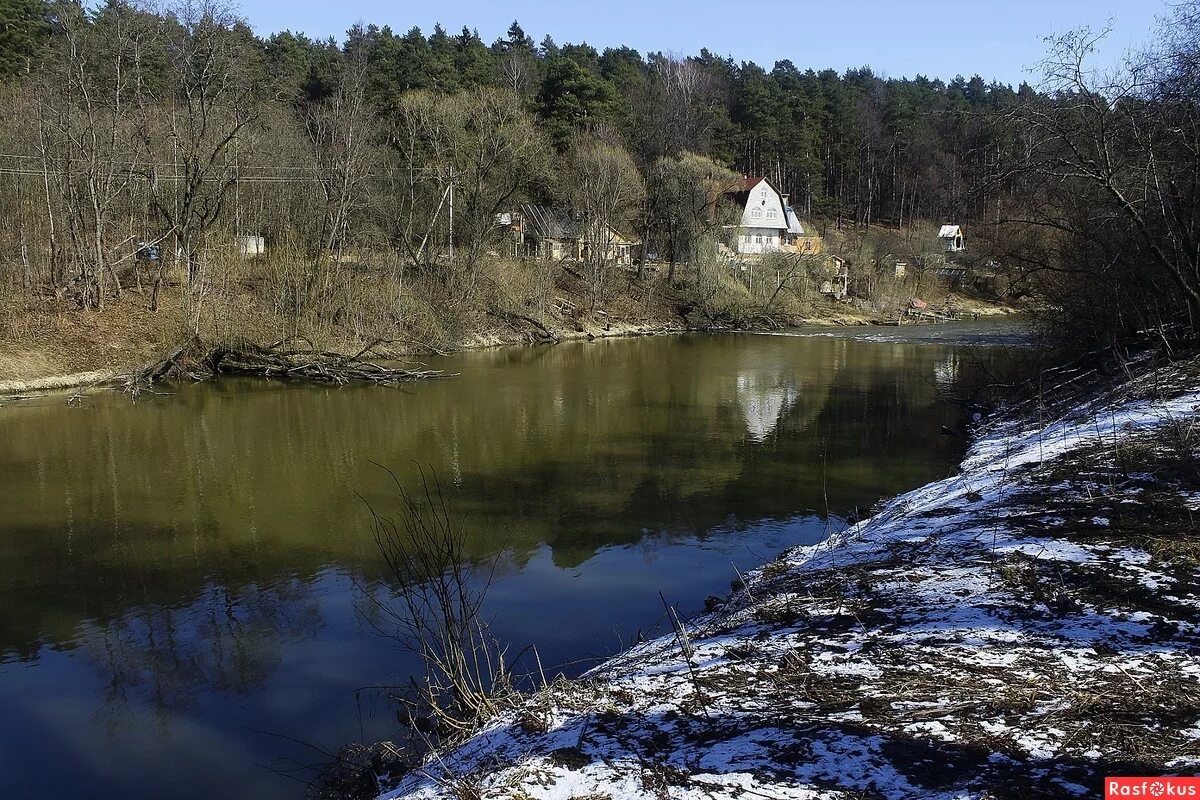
x: 450, y: 174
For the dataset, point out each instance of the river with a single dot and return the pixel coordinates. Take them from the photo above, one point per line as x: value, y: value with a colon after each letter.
x: 184, y: 580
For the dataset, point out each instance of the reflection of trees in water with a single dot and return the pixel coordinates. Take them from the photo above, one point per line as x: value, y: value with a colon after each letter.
x: 226, y: 640
x: 578, y: 446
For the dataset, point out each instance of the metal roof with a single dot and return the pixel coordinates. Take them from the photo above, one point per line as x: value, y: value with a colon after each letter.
x: 547, y: 222
x: 794, y: 226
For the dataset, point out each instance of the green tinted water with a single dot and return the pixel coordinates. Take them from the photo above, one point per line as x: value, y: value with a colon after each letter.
x: 183, y: 577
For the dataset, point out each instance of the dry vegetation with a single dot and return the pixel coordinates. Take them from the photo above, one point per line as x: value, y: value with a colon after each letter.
x: 401, y: 313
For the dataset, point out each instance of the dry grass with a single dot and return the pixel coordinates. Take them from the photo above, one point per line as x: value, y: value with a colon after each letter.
x: 54, y: 338
x: 405, y: 311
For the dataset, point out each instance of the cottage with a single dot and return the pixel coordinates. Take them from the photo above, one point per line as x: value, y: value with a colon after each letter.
x: 767, y: 222
x: 952, y: 237
x: 764, y: 224
x: 548, y: 233
x: 620, y: 247
x: 555, y: 234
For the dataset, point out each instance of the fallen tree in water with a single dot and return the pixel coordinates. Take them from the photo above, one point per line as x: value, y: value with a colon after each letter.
x: 197, y: 361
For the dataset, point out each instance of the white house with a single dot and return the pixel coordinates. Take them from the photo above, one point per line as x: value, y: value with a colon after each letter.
x: 952, y: 237
x: 766, y: 222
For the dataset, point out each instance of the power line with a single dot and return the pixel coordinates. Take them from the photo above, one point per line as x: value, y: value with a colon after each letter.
x: 241, y: 173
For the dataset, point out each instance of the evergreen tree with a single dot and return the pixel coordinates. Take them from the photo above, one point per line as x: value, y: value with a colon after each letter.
x: 517, y: 39
x: 571, y: 97
x: 24, y: 30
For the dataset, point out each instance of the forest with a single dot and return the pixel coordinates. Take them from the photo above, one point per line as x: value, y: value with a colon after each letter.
x: 144, y: 150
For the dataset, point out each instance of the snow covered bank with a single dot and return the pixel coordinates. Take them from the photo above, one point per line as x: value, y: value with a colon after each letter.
x: 1018, y: 630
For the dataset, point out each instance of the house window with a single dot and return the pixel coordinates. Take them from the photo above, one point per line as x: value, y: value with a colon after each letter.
x: 771, y: 214
x: 756, y: 213
x: 758, y: 240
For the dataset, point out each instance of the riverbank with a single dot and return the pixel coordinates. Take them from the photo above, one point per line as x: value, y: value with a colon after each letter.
x: 51, y: 345
x: 1020, y: 629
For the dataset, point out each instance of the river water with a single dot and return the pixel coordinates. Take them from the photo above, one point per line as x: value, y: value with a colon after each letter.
x: 184, y: 580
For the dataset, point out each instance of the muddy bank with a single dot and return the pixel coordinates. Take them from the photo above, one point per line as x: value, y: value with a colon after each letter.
x: 65, y: 349
x: 1022, y: 628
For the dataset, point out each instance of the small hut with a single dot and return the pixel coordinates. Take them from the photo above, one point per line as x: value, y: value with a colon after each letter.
x: 952, y: 238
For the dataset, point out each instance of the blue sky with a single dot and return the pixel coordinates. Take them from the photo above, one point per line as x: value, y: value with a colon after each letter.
x: 996, y: 39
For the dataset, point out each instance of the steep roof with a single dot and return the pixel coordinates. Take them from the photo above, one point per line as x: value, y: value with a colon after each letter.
x: 740, y: 196
x: 747, y: 184
x: 550, y: 222
x: 950, y: 231
x: 794, y: 227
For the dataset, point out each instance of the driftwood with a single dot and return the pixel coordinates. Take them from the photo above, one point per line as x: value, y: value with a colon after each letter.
x: 312, y: 365
x: 541, y: 332
x: 180, y: 363
x: 194, y: 361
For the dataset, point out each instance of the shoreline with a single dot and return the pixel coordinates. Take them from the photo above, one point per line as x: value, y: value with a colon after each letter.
x: 1026, y: 626
x: 17, y: 388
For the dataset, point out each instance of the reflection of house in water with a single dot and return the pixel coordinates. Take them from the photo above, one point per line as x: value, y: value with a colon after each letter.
x: 945, y: 373
x: 764, y: 400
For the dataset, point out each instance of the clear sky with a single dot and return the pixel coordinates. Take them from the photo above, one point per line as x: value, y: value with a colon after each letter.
x: 998, y: 39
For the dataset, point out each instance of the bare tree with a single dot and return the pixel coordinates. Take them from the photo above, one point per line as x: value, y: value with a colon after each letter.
x: 462, y: 160
x: 676, y: 108
x: 606, y: 190
x: 1110, y: 218
x: 341, y: 131
x: 214, y: 98
x: 89, y: 149
x: 684, y: 211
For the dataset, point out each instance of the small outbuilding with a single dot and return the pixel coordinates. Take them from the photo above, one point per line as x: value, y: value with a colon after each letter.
x: 952, y: 238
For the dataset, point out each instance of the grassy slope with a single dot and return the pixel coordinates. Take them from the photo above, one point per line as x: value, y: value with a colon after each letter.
x: 51, y: 343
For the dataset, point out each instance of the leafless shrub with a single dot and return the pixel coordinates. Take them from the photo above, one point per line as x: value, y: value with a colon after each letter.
x: 437, y: 613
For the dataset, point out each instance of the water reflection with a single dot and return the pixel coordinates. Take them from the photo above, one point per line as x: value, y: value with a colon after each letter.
x: 191, y: 565
x: 226, y: 640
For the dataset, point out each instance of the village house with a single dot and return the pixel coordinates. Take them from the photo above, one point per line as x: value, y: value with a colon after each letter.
x: 764, y: 224
x: 767, y: 222
x: 551, y: 233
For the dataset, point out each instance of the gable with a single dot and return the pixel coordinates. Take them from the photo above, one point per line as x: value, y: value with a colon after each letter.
x: 763, y: 207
